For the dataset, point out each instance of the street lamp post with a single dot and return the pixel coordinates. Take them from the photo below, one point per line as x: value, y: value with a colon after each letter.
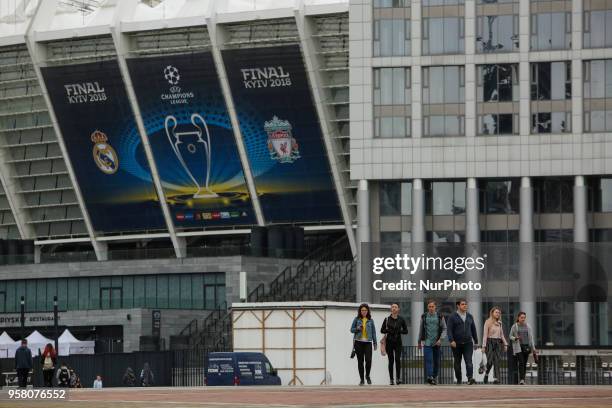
x: 55, y: 318
x: 22, y: 317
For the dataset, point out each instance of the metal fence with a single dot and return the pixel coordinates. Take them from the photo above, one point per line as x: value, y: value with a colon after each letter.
x: 549, y: 370
x: 186, y: 368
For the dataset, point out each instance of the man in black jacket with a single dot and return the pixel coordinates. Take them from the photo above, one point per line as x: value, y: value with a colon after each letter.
x: 23, y: 363
x: 461, y: 331
x: 394, y: 326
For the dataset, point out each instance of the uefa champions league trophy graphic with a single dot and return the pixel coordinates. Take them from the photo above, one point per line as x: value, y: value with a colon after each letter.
x: 193, y: 150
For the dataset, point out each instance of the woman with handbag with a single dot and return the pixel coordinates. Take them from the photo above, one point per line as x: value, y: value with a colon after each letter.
x: 521, y: 336
x: 393, y: 327
x: 364, y: 338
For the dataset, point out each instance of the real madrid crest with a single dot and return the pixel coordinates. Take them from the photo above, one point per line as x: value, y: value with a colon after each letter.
x: 104, y: 155
x: 281, y: 143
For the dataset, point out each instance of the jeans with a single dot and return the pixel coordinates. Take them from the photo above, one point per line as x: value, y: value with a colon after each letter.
x: 431, y: 354
x: 394, y: 353
x: 494, y: 350
x: 22, y: 376
x: 464, y: 351
x: 363, y: 349
x: 522, y: 358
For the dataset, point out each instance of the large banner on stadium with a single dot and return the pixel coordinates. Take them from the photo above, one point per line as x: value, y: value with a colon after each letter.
x: 104, y: 147
x: 192, y: 140
x: 282, y: 134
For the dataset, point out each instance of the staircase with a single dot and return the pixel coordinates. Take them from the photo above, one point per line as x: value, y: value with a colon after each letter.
x: 327, y: 274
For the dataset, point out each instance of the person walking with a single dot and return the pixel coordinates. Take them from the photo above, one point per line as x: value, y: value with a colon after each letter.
x: 48, y: 359
x: 463, y: 340
x: 433, y: 327
x: 364, y: 338
x: 146, y: 376
x: 493, y: 341
x: 23, y: 363
x: 521, y: 336
x: 393, y: 327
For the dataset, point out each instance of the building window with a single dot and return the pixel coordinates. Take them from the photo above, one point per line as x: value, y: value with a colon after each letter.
x: 551, y: 93
x: 446, y: 198
x: 499, y: 196
x: 110, y: 298
x: 395, y: 198
x: 551, y: 25
x: 597, y: 27
x: 443, y: 27
x: 554, y: 235
x: 552, y: 195
x: 392, y: 107
x: 600, y: 194
x: 391, y: 28
x: 498, y: 106
x: 186, y: 291
x: 497, y: 24
x: 443, y: 101
x: 597, y: 95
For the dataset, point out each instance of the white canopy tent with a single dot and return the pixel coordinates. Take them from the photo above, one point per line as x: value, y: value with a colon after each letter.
x: 37, y: 341
x: 68, y: 344
x: 7, y: 346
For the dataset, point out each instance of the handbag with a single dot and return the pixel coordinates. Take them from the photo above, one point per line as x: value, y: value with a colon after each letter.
x: 526, y: 348
x: 383, y: 342
x: 353, y: 352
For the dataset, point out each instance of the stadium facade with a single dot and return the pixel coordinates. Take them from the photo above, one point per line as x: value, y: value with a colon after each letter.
x: 145, y: 144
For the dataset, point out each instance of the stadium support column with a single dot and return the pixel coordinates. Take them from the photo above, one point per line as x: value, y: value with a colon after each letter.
x: 418, y: 246
x: 313, y: 64
x: 121, y: 45
x: 217, y: 39
x: 582, y: 310
x: 472, y: 236
x: 38, y: 54
x: 364, y: 290
x: 527, y: 271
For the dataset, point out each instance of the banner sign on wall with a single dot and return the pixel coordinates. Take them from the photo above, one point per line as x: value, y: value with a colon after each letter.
x: 282, y: 134
x: 192, y: 140
x: 104, y: 146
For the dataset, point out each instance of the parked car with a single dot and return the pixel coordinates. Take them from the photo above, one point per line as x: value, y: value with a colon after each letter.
x: 239, y: 368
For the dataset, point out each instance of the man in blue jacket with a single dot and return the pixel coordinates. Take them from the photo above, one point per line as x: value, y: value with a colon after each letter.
x: 23, y: 363
x: 463, y: 340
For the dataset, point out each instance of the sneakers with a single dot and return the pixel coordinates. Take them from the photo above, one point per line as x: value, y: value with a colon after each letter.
x: 361, y: 382
x: 429, y: 380
x: 391, y: 382
x: 369, y: 381
x: 398, y: 382
x: 471, y: 381
x: 522, y: 382
x: 433, y: 381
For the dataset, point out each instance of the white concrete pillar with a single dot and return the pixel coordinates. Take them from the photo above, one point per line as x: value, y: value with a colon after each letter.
x: 527, y: 271
x: 472, y: 236
x: 582, y: 310
x: 364, y: 291
x: 418, y: 244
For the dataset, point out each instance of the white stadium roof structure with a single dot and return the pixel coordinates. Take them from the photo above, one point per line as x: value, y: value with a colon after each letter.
x: 39, y: 197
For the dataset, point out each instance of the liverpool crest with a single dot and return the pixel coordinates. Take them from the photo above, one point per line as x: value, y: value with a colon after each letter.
x: 104, y: 155
x: 282, y: 145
